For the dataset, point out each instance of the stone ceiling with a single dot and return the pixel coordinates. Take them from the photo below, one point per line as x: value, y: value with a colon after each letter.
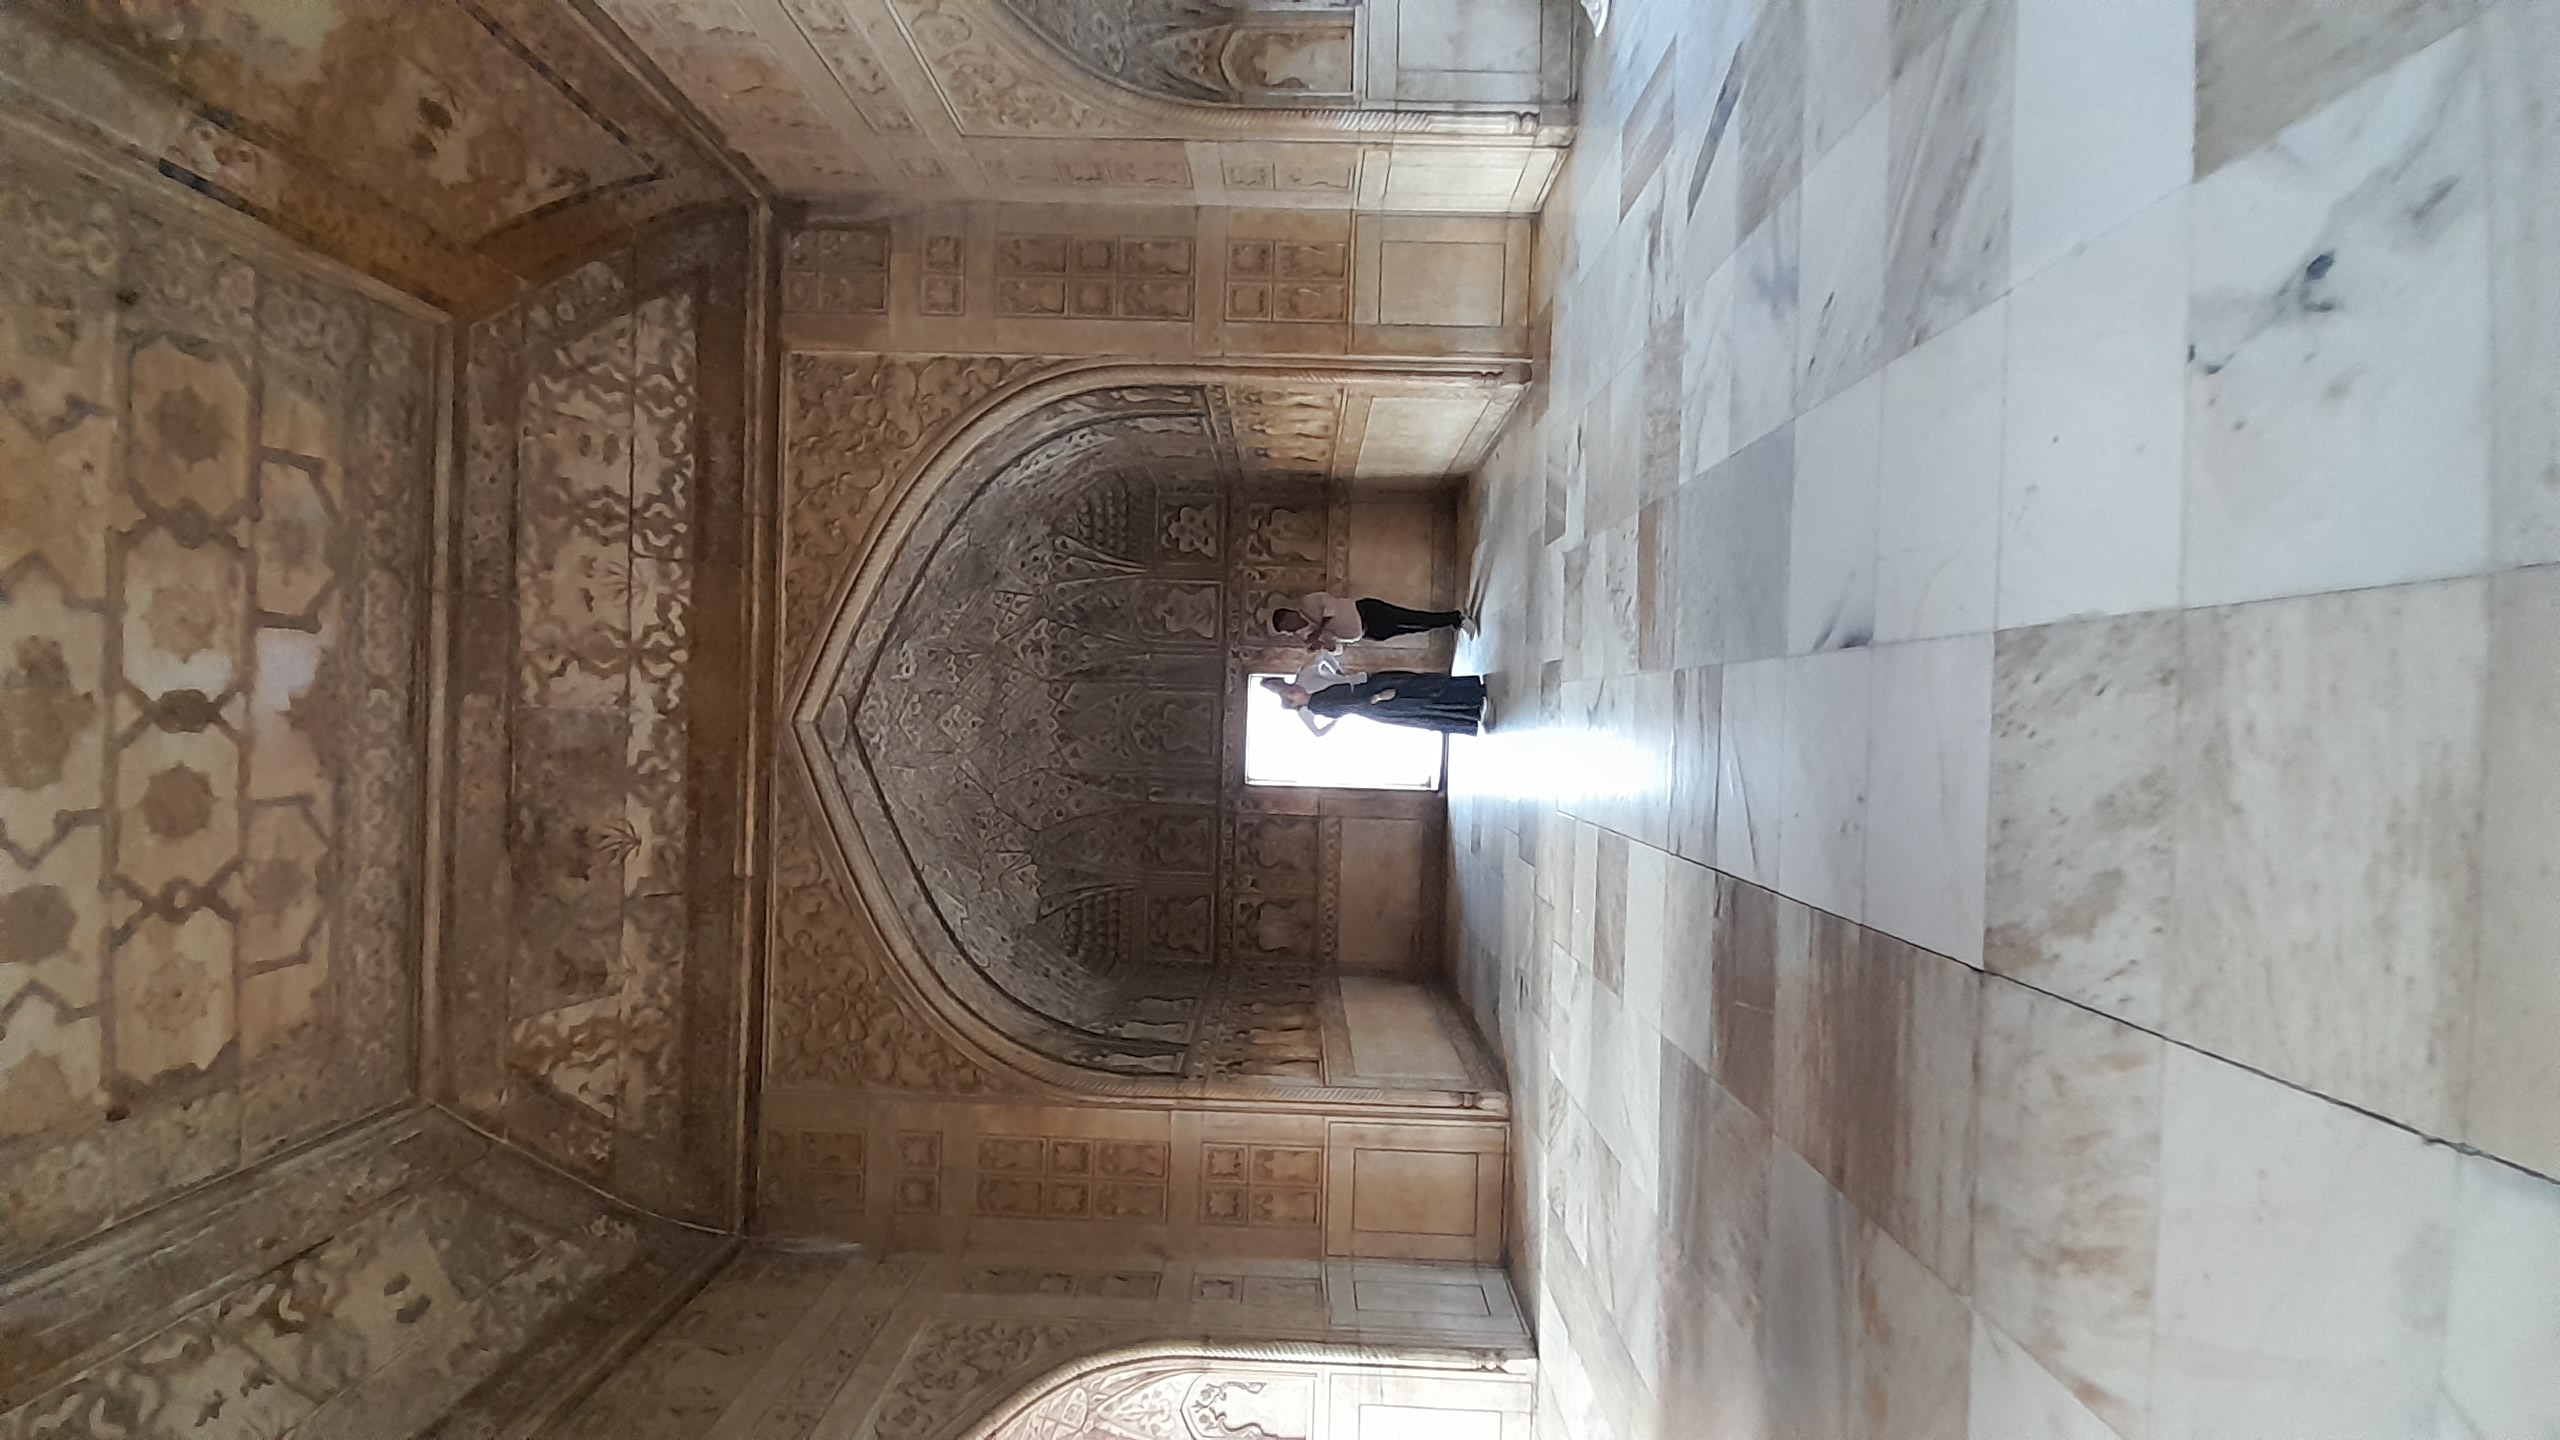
x: 1456, y: 106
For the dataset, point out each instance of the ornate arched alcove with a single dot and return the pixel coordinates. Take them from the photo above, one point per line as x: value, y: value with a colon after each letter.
x: 1272, y: 1391
x: 1023, y: 722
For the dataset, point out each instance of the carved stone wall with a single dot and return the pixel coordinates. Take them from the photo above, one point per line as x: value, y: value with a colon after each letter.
x: 590, y: 1001
x: 859, y: 429
x: 792, y: 1346
x: 1388, y: 106
x: 216, y: 466
x: 455, y: 148
x: 1298, y: 1177
x: 408, y: 1278
x: 1175, y: 283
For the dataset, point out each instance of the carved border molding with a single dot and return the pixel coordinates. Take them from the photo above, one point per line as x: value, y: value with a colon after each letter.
x: 851, y: 518
x: 1491, y: 1360
x: 997, y: 77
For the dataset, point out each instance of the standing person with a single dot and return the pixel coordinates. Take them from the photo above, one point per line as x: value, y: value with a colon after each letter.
x: 1328, y: 622
x: 1451, y: 704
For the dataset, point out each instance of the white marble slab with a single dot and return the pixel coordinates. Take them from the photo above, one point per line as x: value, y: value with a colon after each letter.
x: 1688, y: 988
x: 1550, y: 588
x: 1768, y: 121
x: 2338, y: 412
x: 1697, y: 724
x: 2066, y: 1189
x: 2502, y: 1332
x: 1822, y: 841
x: 2105, y: 120
x: 2519, y: 44
x: 2096, y: 424
x: 1609, y: 634
x: 1840, y: 320
x: 1831, y: 560
x: 1737, y: 515
x: 1750, y: 787
x: 1931, y: 1206
x: 1621, y: 1084
x: 1646, y: 955
x: 1947, y: 225
x: 2513, y: 1103
x: 1582, y: 917
x: 1937, y: 519
x: 1918, y: 24
x: 1706, y: 160
x: 2327, y: 821
x: 1808, y: 1301
x: 2303, y: 1266
x: 1928, y: 792
x: 1764, y: 325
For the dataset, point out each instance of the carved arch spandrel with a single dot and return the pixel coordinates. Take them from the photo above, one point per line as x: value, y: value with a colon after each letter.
x: 839, y: 1018
x: 848, y: 515
x: 862, y: 428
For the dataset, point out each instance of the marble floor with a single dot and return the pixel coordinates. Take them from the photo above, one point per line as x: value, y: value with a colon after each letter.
x: 2018, y: 874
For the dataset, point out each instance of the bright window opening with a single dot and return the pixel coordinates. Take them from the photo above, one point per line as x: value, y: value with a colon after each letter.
x: 1356, y: 754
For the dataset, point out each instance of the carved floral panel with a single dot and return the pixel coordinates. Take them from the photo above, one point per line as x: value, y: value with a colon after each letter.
x: 600, y: 749
x: 212, y: 533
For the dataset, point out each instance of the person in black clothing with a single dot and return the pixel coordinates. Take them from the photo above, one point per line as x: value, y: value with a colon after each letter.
x: 1451, y: 704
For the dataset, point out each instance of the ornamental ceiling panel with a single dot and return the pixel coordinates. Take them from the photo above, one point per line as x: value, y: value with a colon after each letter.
x: 895, y: 102
x: 451, y: 147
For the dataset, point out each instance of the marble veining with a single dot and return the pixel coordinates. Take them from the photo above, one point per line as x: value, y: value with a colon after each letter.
x: 2260, y: 65
x: 1840, y: 322
x: 2339, y: 278
x: 2114, y: 868
x: 1947, y: 221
